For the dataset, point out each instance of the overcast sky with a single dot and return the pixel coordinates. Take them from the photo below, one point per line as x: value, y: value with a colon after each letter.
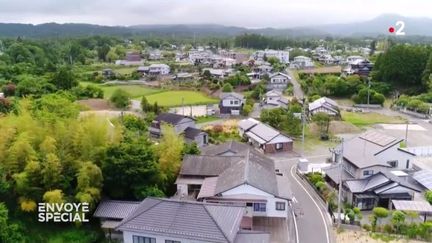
x: 247, y: 13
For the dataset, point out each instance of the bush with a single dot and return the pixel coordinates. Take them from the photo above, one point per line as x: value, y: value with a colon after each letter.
x: 367, y: 227
x: 388, y: 228
x: 247, y: 109
x: 428, y: 196
x: 315, y: 177
x: 120, y: 98
x: 320, y: 185
x: 227, y: 88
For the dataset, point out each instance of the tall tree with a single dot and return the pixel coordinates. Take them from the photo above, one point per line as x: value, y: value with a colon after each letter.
x: 64, y: 78
x: 169, y: 151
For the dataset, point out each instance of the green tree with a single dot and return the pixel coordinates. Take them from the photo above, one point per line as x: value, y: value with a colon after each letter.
x: 51, y: 171
x: 398, y: 218
x: 191, y: 148
x: 145, y: 105
x: 227, y: 88
x: 54, y: 196
x: 64, y: 78
x: 428, y: 196
x: 120, y: 99
x: 380, y: 212
x: 169, y: 152
x: 9, y: 233
x: 128, y: 167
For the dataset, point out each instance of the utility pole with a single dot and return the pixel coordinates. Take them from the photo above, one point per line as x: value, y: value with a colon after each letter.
x: 303, y: 125
x: 340, y: 158
x: 368, y: 97
x: 183, y: 106
x: 406, y: 133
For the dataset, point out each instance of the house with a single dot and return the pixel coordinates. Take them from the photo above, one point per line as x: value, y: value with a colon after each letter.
x: 159, y: 69
x: 274, y: 99
x: 183, y: 77
x: 250, y: 181
x: 171, y: 221
x: 282, y: 56
x: 133, y: 57
x: 366, y: 155
x: 154, y: 55
x: 231, y: 103
x: 324, y: 105
x: 263, y: 69
x: 354, y: 59
x: 111, y: 213
x: 143, y: 69
x: 182, y: 125
x: 302, y: 62
x: 108, y: 73
x: 278, y: 81
x: 219, y: 73
x: 234, y: 173
x: 377, y: 190
x: 264, y: 137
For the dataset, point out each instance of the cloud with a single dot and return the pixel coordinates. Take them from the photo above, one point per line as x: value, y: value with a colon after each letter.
x: 249, y: 13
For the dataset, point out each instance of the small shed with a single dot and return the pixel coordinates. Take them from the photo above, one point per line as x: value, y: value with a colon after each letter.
x: 421, y: 207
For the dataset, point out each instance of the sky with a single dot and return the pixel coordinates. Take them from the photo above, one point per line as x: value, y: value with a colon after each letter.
x: 244, y: 13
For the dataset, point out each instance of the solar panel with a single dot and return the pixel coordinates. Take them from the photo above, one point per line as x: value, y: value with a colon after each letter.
x: 424, y: 177
x: 377, y: 138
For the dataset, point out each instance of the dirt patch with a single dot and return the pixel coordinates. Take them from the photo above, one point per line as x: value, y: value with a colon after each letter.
x: 365, y: 237
x: 336, y: 127
x: 323, y: 70
x: 96, y: 104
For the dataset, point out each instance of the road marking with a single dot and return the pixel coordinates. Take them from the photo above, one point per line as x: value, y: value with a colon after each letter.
x: 295, y: 226
x: 294, y: 200
x: 316, y: 204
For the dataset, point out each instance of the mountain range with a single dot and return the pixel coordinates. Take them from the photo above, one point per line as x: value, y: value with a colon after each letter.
x: 373, y: 27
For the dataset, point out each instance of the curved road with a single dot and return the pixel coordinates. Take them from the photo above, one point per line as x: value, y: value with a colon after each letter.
x: 313, y: 221
x: 298, y: 92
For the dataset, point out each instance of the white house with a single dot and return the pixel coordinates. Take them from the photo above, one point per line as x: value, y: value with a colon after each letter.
x: 231, y: 103
x: 250, y: 181
x: 159, y: 69
x: 274, y: 99
x: 324, y: 105
x: 301, y: 62
x: 278, y: 81
x: 283, y: 56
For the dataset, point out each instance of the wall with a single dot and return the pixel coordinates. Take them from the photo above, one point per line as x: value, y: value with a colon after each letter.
x: 394, y: 154
x: 271, y: 200
x: 271, y: 148
x: 227, y: 102
x: 128, y: 238
x: 183, y: 124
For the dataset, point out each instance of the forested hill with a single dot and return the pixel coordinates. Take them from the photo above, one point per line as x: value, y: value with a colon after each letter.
x: 371, y: 28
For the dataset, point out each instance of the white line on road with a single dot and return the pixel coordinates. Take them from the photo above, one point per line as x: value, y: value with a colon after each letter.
x: 316, y: 204
x: 294, y: 200
x: 295, y: 226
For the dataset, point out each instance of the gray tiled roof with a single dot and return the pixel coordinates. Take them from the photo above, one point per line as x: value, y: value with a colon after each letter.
x: 191, y: 132
x: 201, y: 222
x: 251, y: 171
x: 112, y: 209
x: 170, y: 118
x: 233, y: 94
x: 334, y: 172
x: 231, y: 147
x: 379, y: 183
x: 203, y: 165
x: 362, y: 150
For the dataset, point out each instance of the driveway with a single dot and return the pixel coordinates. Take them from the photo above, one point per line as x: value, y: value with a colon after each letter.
x: 298, y: 92
x: 313, y: 222
x: 277, y: 227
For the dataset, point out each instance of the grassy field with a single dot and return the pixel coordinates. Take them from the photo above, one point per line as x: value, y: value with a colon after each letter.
x: 135, y: 91
x: 204, y: 119
x: 174, y: 98
x: 371, y: 118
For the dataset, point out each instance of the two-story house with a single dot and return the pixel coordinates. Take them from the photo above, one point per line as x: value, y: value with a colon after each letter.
x: 231, y: 103
x: 182, y: 125
x: 302, y: 62
x: 274, y: 99
x: 159, y: 69
x: 157, y: 220
x: 278, y: 81
x: 369, y: 170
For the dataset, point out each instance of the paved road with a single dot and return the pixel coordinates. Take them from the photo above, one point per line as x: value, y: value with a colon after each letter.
x: 313, y: 222
x: 298, y: 92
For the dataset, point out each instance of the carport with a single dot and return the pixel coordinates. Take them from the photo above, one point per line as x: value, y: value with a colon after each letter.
x: 421, y: 207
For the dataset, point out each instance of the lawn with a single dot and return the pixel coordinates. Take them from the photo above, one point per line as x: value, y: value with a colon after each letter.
x: 134, y: 90
x: 371, y: 118
x: 204, y: 119
x: 174, y: 98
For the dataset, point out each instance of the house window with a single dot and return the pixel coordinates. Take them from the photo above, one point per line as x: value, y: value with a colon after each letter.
x: 231, y: 102
x: 143, y: 239
x: 172, y: 241
x: 280, y: 206
x: 279, y: 146
x: 367, y: 172
x: 236, y: 102
x: 393, y: 163
x: 259, y: 207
